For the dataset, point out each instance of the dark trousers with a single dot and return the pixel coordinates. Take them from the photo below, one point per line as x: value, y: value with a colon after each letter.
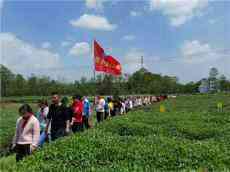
x: 117, y: 111
x: 86, y: 122
x: 113, y: 113
x: 22, y: 151
x: 106, y: 114
x: 100, y: 116
x: 55, y: 134
x: 77, y: 127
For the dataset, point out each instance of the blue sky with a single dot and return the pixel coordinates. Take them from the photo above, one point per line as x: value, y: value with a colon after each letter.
x: 176, y: 37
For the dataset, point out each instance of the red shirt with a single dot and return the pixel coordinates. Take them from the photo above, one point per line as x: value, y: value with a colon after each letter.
x: 77, y: 111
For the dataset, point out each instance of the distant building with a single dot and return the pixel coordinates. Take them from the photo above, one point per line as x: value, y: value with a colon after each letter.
x: 213, y: 86
x: 208, y: 85
x: 204, y: 86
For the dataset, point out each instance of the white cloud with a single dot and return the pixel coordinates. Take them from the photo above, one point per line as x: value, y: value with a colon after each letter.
x: 134, y: 13
x: 80, y: 49
x: 21, y: 57
x: 93, y: 22
x: 196, y: 52
x: 95, y: 4
x: 197, y: 58
x: 65, y: 43
x: 193, y: 62
x: 179, y: 11
x: 128, y: 37
x: 46, y: 45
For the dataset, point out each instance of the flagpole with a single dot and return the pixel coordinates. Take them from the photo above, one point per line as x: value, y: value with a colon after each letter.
x: 94, y: 73
x: 94, y: 70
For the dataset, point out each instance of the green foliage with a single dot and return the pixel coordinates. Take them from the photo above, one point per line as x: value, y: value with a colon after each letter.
x: 17, y: 85
x: 8, y: 119
x: 213, y: 73
x: 144, y: 82
x: 190, y: 135
x: 141, y: 82
x: 8, y: 164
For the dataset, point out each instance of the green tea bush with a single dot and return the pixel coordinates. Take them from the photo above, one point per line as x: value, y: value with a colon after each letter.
x: 183, y: 138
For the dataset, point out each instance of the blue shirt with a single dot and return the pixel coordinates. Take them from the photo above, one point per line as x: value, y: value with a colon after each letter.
x: 86, y: 109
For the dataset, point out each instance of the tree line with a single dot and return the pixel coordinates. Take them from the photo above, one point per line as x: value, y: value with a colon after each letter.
x: 140, y: 82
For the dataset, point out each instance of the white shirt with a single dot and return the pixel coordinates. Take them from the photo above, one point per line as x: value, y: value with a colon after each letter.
x: 100, y: 106
x: 130, y: 104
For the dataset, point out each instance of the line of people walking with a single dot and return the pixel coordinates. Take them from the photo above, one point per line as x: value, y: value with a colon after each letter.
x: 65, y: 116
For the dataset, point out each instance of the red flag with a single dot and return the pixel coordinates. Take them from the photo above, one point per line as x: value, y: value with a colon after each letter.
x: 104, y: 63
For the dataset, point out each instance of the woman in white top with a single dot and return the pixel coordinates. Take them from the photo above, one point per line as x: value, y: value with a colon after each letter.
x: 27, y: 133
x: 100, y: 108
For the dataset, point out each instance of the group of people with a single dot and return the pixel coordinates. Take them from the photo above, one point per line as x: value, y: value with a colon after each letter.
x: 64, y: 116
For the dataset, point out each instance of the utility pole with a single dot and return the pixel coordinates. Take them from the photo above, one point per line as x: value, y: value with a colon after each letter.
x: 142, y: 61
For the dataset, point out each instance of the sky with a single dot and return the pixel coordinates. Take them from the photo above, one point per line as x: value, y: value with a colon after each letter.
x: 175, y: 37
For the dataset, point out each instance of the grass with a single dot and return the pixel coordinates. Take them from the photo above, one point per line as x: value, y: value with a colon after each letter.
x: 8, y: 163
x: 8, y: 119
x: 21, y: 99
x: 190, y: 136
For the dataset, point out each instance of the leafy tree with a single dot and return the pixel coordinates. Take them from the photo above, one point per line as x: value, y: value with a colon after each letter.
x: 20, y: 85
x: 32, y: 85
x: 213, y: 73
x: 7, y: 78
x: 223, y: 83
x: 83, y: 80
x: 140, y: 82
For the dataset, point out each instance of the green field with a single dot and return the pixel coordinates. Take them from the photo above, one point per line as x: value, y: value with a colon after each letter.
x: 190, y: 136
x: 22, y: 99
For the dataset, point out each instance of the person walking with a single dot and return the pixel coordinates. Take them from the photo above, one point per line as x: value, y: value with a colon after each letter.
x: 27, y: 133
x: 58, y: 118
x: 106, y: 107
x: 110, y: 104
x: 86, y: 112
x: 77, y: 119
x: 41, y: 115
x: 100, y: 109
x: 123, y: 107
x: 68, y: 113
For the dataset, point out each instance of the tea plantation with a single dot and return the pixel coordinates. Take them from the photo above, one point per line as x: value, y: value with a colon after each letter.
x: 190, y: 136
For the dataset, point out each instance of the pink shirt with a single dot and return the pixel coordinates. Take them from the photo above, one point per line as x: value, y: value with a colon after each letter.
x: 30, y: 134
